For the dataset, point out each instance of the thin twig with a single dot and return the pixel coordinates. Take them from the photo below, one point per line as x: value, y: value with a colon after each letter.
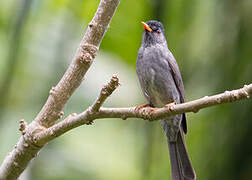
x: 106, y: 91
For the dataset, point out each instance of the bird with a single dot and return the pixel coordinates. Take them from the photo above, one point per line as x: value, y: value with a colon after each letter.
x: 161, y: 83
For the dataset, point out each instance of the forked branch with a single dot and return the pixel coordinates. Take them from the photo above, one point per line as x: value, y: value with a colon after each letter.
x: 27, y: 148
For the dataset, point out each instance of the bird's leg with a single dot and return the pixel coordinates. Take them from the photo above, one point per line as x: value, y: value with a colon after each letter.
x: 142, y: 106
x: 170, y: 105
x: 149, y: 108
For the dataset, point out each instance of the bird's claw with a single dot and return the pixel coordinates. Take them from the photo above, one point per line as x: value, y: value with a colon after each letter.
x: 137, y: 108
x: 170, y: 105
x: 151, y: 110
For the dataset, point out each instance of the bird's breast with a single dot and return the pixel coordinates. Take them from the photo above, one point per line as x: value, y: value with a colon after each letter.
x: 157, y: 80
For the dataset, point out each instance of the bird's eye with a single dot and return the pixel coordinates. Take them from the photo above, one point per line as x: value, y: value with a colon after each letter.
x: 158, y: 31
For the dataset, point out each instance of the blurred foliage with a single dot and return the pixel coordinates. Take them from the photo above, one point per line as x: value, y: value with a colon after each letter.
x: 211, y: 41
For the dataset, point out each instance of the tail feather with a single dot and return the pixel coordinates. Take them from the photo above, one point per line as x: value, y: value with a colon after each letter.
x: 175, y: 164
x: 180, y: 163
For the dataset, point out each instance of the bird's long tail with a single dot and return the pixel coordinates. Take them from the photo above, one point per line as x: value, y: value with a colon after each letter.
x: 180, y: 162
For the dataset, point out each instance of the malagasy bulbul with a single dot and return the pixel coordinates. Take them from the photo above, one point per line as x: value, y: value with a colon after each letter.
x: 161, y: 84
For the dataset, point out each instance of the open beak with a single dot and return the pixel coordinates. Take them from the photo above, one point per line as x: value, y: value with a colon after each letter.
x: 146, y: 26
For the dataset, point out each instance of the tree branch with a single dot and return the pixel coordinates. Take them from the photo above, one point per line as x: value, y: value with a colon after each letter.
x: 106, y: 91
x: 26, y: 148
x: 74, y: 75
x: 75, y: 120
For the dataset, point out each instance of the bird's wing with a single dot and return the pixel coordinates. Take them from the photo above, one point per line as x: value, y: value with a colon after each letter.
x: 176, y: 76
x: 179, y: 84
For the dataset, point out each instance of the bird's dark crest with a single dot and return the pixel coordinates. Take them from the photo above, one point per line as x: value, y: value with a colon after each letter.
x: 155, y: 25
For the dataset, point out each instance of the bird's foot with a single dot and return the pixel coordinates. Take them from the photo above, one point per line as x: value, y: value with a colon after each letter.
x: 137, y: 108
x: 147, y: 111
x: 170, y: 105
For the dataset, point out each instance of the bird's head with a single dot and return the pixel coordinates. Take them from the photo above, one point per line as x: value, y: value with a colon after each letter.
x: 153, y: 33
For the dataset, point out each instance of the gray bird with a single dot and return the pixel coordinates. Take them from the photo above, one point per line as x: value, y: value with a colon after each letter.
x: 161, y: 84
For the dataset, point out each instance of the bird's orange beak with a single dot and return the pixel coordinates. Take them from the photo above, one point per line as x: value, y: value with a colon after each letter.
x: 146, y: 26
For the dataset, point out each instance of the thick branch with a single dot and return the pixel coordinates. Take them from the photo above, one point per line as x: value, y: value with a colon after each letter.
x: 17, y: 160
x: 148, y: 113
x: 74, y: 75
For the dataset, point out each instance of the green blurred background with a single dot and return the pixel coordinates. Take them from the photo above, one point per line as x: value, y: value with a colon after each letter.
x: 212, y: 42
